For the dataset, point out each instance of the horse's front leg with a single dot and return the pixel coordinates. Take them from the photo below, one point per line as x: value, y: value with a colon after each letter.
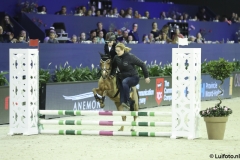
x: 98, y: 99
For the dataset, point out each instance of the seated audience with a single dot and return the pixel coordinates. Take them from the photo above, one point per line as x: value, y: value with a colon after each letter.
x: 124, y: 37
x: 100, y: 38
x: 163, y: 15
x: 24, y: 35
x: 11, y: 39
x: 165, y: 38
x: 89, y: 13
x: 202, y: 16
x: 134, y: 32
x: 47, y: 38
x: 155, y: 31
x: 130, y: 40
x: 191, y: 39
x: 176, y: 35
x: 98, y: 13
x: 21, y: 39
x: 185, y: 17
x: 122, y: 13
x: 94, y: 40
x: 100, y: 28
x: 63, y: 11
x: 199, y: 38
x: 145, y: 39
x: 7, y: 25
x: 147, y: 15
x: 104, y: 13
x: 92, y: 35
x: 73, y: 39
x: 93, y: 9
x: 115, y: 12
x: 82, y: 37
x: 83, y: 8
x: 52, y: 38
x: 151, y: 38
x: 2, y: 36
x: 110, y: 13
x: 42, y: 10
x: 129, y: 13
x: 136, y: 15
x: 79, y: 12
x: 217, y: 19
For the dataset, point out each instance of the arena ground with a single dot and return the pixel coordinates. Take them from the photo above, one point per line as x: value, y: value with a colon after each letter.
x: 58, y: 147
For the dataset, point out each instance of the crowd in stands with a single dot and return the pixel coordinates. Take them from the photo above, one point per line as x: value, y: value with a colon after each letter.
x: 100, y: 35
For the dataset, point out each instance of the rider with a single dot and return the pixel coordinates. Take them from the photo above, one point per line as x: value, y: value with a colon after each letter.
x: 128, y: 75
x: 109, y: 47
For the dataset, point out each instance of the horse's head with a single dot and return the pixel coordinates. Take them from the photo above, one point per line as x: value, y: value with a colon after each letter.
x: 105, y: 65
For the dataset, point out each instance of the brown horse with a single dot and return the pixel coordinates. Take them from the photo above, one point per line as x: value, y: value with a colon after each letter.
x: 107, y: 86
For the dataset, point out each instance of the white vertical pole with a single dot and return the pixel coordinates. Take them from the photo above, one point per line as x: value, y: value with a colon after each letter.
x: 24, y: 91
x: 186, y: 92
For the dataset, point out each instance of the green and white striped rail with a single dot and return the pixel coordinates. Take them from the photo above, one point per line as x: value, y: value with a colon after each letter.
x: 104, y: 123
x: 106, y: 133
x: 102, y: 113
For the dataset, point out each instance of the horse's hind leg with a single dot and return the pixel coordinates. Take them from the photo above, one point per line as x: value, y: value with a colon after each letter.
x: 120, y: 108
x: 135, y: 97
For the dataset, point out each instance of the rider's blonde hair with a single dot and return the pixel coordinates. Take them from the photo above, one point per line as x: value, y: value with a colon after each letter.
x: 123, y: 47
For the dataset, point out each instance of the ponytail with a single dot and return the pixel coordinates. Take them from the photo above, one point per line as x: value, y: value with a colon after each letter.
x: 123, y: 47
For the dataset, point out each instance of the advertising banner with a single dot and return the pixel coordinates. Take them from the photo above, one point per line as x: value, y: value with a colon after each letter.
x: 74, y: 96
x: 4, y: 105
x: 210, y: 90
x: 236, y: 85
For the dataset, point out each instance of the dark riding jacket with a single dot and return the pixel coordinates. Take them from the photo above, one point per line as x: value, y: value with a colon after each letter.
x: 126, y: 64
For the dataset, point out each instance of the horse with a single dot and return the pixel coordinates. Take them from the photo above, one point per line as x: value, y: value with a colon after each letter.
x: 107, y: 86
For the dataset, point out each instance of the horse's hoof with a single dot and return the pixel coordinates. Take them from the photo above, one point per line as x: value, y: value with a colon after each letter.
x: 132, y: 130
x: 120, y: 129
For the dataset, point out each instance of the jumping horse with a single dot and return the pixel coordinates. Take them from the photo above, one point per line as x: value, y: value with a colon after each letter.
x: 107, y: 86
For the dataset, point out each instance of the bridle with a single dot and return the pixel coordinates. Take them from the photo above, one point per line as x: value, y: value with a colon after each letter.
x: 107, y: 70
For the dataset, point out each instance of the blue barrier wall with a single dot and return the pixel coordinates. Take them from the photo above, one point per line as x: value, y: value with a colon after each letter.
x: 76, y: 25
x: 87, y: 54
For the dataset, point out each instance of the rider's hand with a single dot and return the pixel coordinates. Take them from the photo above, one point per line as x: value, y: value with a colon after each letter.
x: 147, y: 80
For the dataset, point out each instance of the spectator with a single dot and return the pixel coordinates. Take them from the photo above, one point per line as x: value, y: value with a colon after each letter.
x: 83, y: 8
x: 195, y: 18
x: 24, y: 35
x: 89, y: 13
x: 110, y: 35
x: 191, y: 39
x: 176, y: 36
x: 155, y: 31
x: 47, y: 38
x: 165, y: 29
x: 163, y: 15
x: 98, y: 13
x: 73, y: 39
x: 122, y: 13
x: 233, y: 17
x: 235, y: 20
x: 174, y: 17
x: 202, y: 16
x: 151, y: 38
x: 165, y: 38
x: 63, y: 11
x: 130, y: 40
x: 134, y: 32
x: 100, y: 28
x: 21, y: 39
x: 136, y: 15
x: 115, y: 12
x: 93, y: 9
x: 42, y: 10
x: 104, y: 13
x: 217, y: 19
x: 129, y: 13
x: 145, y: 39
x: 2, y: 36
x: 199, y: 38
x: 7, y: 25
x: 52, y: 38
x: 82, y: 37
x: 11, y: 39
x: 226, y: 20
x: 147, y: 15
x: 185, y: 17
x: 100, y: 38
x: 238, y: 21
x: 180, y: 18
x: 92, y: 35
x: 110, y: 13
x: 79, y: 12
x: 94, y: 40
x: 124, y: 37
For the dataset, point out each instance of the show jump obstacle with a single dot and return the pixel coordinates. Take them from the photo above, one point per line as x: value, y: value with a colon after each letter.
x: 24, y: 93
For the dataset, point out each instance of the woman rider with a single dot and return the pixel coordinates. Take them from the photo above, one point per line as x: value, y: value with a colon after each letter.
x: 128, y: 75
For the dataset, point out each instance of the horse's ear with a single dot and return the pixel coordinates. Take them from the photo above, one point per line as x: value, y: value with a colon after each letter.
x: 101, y: 54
